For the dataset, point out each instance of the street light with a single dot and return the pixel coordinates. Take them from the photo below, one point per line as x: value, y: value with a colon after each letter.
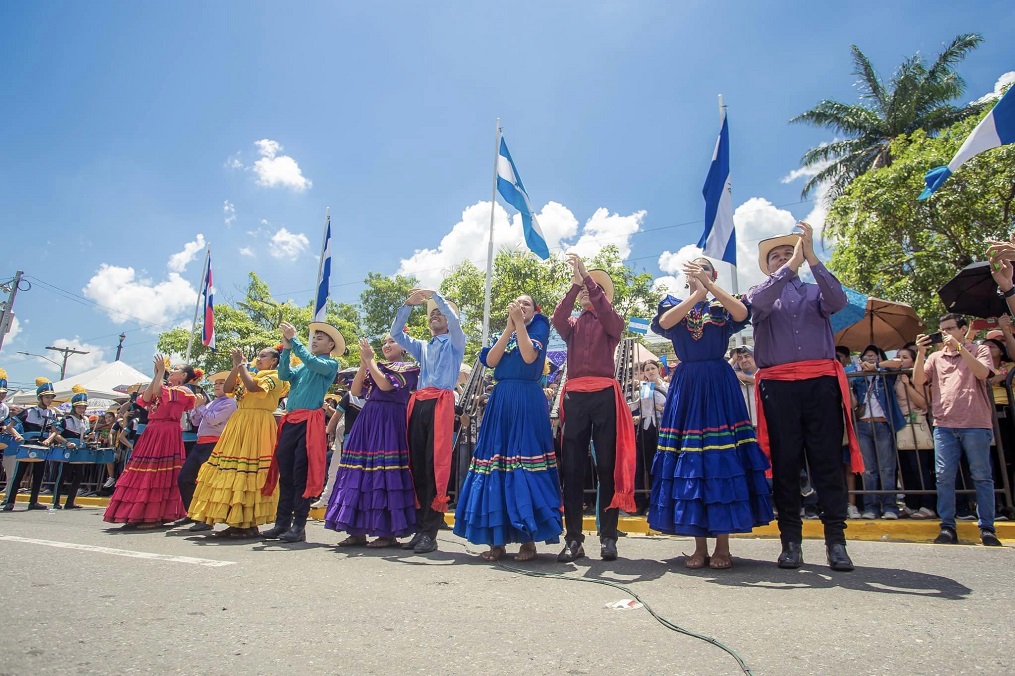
x: 119, y: 347
x: 32, y: 354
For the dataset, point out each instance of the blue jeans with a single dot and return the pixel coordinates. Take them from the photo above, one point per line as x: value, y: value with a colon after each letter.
x: 877, y: 445
x: 949, y: 444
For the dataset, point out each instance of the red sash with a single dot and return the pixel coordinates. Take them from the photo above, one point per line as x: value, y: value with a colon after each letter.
x: 805, y: 370
x: 443, y: 438
x: 317, y: 451
x: 626, y: 462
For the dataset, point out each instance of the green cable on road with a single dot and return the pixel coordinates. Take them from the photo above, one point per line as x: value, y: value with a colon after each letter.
x: 672, y: 626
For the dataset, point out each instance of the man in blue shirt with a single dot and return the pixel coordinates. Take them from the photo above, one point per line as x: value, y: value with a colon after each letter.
x: 301, y: 452
x: 431, y: 409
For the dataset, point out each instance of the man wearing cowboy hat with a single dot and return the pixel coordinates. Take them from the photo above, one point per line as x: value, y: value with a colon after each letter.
x: 593, y: 409
x: 301, y: 452
x: 801, y: 391
x: 38, y: 423
x: 431, y: 409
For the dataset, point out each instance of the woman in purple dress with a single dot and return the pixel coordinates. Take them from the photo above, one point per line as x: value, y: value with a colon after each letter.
x: 373, y: 490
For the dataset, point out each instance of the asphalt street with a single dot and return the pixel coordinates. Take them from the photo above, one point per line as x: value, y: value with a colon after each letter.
x: 84, y: 598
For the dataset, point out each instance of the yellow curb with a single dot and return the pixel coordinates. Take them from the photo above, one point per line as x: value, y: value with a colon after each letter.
x: 901, y: 530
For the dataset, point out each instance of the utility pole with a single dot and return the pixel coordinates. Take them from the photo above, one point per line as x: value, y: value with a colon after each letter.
x: 119, y: 348
x: 67, y: 352
x: 7, y: 308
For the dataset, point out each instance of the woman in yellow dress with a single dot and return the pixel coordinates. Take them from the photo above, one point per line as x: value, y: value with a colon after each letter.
x: 229, y: 484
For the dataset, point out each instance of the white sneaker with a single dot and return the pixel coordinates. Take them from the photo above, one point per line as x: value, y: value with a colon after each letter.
x: 318, y: 504
x: 924, y: 513
x: 869, y: 515
x: 852, y: 512
x: 891, y: 516
x: 110, y: 482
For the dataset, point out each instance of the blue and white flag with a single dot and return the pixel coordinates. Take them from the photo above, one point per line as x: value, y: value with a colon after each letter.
x: 638, y: 325
x: 997, y: 129
x: 323, y: 278
x: 509, y: 185
x: 719, y: 240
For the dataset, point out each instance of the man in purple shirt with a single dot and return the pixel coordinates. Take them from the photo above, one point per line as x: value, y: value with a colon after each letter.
x: 800, y: 386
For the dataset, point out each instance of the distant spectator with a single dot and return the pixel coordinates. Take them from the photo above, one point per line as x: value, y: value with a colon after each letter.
x: 915, y: 465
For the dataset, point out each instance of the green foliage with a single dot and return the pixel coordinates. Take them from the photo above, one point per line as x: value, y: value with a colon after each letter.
x: 381, y: 299
x: 892, y: 246
x: 252, y: 324
x: 918, y: 97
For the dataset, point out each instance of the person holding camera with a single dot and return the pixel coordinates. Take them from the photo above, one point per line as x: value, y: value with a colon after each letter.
x: 957, y: 374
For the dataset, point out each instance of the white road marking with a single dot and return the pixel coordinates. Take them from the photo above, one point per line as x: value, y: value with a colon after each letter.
x: 211, y: 563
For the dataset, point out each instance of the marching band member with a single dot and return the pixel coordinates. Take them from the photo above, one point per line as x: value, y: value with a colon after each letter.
x: 147, y: 494
x: 39, y: 424
x: 7, y: 427
x: 431, y: 409
x: 301, y: 453
x: 593, y: 409
x: 72, y: 430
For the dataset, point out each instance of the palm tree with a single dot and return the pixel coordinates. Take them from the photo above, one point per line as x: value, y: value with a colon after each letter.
x: 916, y: 98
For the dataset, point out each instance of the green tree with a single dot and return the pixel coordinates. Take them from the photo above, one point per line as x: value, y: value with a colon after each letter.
x: 252, y: 323
x: 381, y: 299
x: 917, y: 97
x: 892, y: 246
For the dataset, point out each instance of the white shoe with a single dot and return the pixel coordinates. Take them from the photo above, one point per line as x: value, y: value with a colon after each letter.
x: 869, y: 515
x: 319, y: 504
x: 891, y: 516
x: 110, y: 482
x: 852, y: 512
x: 924, y: 513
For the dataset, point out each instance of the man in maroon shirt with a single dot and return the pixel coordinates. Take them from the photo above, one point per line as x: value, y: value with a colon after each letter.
x: 590, y: 410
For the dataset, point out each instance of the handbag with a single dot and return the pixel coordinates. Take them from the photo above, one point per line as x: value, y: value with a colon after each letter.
x: 916, y: 435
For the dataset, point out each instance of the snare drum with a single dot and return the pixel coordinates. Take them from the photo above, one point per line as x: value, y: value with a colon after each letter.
x: 8, y: 444
x: 33, y: 453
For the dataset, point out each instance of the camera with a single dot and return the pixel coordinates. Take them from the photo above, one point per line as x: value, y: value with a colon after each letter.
x: 936, y: 338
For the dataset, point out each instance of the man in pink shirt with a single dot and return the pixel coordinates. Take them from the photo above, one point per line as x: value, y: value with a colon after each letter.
x: 962, y: 409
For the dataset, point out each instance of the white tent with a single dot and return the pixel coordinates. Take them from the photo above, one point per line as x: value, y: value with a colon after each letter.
x: 104, y: 382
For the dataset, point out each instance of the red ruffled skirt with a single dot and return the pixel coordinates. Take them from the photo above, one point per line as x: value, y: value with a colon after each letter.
x: 147, y: 491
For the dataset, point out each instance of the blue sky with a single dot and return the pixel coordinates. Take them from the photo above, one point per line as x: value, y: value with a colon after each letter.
x: 131, y: 128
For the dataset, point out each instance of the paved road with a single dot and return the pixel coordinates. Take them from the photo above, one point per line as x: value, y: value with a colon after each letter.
x: 192, y: 606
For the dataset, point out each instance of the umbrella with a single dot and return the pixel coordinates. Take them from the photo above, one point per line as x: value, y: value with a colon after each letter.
x: 873, y: 321
x: 973, y: 292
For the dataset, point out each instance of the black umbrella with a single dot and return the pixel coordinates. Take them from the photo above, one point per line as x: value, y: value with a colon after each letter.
x: 973, y: 292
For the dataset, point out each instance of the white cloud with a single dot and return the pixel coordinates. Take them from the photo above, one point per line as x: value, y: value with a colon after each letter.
x: 234, y: 162
x: 276, y: 170
x: 228, y: 213
x: 178, y: 261
x: 467, y: 239
x: 14, y: 331
x: 288, y: 245
x: 76, y: 363
x: 125, y: 297
x: 247, y: 251
x: 999, y: 86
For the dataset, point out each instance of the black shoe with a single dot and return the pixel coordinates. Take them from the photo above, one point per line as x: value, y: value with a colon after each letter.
x: 947, y: 536
x: 989, y: 538
x: 573, y: 550
x: 609, y: 549
x: 36, y: 505
x: 279, y: 529
x: 792, y: 556
x: 838, y: 559
x: 9, y: 507
x: 71, y: 505
x: 294, y: 534
x: 200, y: 526
x: 181, y: 522
x: 411, y: 544
x: 425, y: 545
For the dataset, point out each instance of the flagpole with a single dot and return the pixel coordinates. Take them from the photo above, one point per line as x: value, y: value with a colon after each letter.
x: 197, y: 305
x: 489, y: 248
x: 320, y: 266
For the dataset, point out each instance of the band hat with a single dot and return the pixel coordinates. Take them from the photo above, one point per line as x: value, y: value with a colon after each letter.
x: 604, y: 281
x: 332, y: 333
x: 80, y: 397
x: 431, y: 305
x: 765, y: 247
x: 3, y: 380
x: 43, y: 386
x: 221, y: 375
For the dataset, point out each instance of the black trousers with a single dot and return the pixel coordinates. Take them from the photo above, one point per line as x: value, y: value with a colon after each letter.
x: 73, y: 474
x: 421, y: 442
x: 805, y: 421
x: 647, y: 441
x: 291, y: 454
x: 187, y: 480
x: 589, y: 416
x: 38, y: 472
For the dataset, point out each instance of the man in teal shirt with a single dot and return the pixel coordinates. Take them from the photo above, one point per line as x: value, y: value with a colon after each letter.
x: 301, y: 451
x: 431, y: 409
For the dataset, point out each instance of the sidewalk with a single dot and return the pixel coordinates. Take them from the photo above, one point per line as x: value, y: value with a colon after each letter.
x: 902, y: 530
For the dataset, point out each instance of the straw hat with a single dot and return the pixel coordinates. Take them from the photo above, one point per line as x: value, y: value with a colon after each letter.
x: 605, y: 282
x: 221, y: 375
x: 332, y: 333
x: 431, y: 305
x: 765, y: 247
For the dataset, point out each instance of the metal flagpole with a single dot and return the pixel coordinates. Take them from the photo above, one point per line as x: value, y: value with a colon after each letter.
x: 197, y: 306
x: 489, y: 249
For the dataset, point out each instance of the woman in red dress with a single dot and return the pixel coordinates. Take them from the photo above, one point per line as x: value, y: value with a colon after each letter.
x: 147, y: 494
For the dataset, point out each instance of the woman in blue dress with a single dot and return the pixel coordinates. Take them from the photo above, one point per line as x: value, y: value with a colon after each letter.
x: 708, y: 475
x: 512, y: 493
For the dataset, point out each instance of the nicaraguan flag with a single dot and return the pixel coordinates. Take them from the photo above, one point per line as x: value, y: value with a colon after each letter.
x: 638, y: 325
x: 208, y: 326
x: 510, y: 187
x: 719, y: 240
x: 997, y: 129
x: 323, y: 278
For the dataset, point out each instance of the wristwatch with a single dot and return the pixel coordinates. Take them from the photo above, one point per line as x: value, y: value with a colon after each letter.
x: 1006, y: 294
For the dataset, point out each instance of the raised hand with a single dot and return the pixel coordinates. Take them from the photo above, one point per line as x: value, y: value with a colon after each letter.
x: 1001, y: 271
x: 366, y: 351
x: 807, y: 239
x: 515, y: 313
x: 1001, y: 251
x: 695, y: 271
x: 418, y: 296
x: 238, y: 357
x: 160, y: 363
